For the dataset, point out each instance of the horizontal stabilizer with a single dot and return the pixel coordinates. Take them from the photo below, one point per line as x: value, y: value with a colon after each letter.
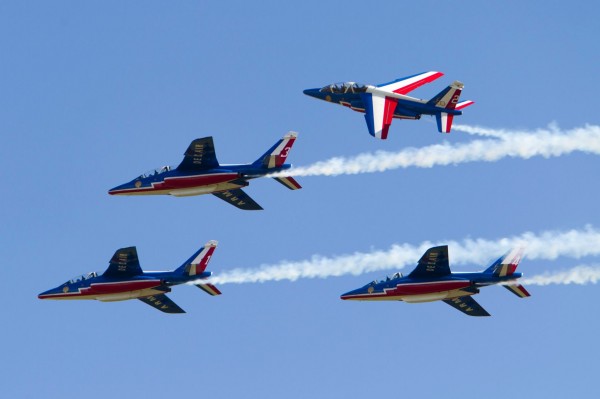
x: 464, y: 104
x: 209, y: 289
x: 162, y: 303
x: 467, y: 305
x: 289, y: 182
x: 239, y: 199
x: 444, y: 122
x: 518, y: 290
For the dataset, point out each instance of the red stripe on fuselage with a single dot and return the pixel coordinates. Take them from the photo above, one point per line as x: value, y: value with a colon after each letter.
x: 416, y: 289
x: 175, y: 183
x: 427, y: 288
x: 107, y: 288
x: 194, y: 181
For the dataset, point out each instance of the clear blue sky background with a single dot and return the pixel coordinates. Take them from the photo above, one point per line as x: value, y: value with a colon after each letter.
x: 94, y: 93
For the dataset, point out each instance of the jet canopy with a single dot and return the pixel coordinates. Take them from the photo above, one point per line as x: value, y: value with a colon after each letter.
x: 155, y: 172
x: 83, y: 277
x: 345, y: 87
x: 388, y: 278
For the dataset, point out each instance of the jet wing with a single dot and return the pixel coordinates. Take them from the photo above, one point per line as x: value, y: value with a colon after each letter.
x: 162, y: 303
x: 239, y: 199
x: 124, y: 263
x: 434, y: 263
x: 410, y: 83
x: 200, y: 155
x: 379, y: 111
x: 467, y: 305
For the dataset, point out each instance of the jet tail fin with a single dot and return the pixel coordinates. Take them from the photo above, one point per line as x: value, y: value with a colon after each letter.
x: 507, y: 264
x: 197, y: 263
x: 447, y: 99
x: 277, y: 154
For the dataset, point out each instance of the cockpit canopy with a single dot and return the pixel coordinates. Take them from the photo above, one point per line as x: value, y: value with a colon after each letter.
x: 345, y: 87
x: 156, y: 171
x: 388, y: 278
x: 82, y: 277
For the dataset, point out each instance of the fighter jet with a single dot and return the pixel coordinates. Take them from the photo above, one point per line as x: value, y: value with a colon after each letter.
x: 432, y: 280
x: 124, y: 279
x: 383, y: 102
x: 200, y: 173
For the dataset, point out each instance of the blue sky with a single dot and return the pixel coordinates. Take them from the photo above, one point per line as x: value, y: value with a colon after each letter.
x: 95, y: 93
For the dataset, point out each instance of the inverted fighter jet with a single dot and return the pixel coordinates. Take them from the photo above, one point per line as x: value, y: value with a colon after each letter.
x: 432, y: 280
x: 200, y: 173
x: 124, y: 279
x: 383, y: 102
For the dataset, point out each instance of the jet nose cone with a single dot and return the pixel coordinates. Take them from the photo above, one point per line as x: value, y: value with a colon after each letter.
x: 348, y: 295
x: 312, y: 92
x: 118, y: 189
x: 44, y: 294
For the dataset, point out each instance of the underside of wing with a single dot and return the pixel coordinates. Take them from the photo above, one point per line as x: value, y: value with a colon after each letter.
x: 518, y: 290
x: 467, y: 305
x: 209, y: 289
x: 289, y: 182
x: 379, y: 111
x: 410, y: 83
x: 239, y: 199
x: 162, y: 303
x: 434, y: 263
x: 200, y: 155
x: 124, y: 263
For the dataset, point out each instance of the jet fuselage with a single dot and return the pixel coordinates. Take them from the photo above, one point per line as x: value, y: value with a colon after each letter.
x: 413, y: 290
x: 407, y: 108
x: 185, y: 183
x: 93, y: 286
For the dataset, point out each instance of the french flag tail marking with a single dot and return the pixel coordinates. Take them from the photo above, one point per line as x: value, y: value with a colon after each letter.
x: 277, y: 154
x: 444, y: 122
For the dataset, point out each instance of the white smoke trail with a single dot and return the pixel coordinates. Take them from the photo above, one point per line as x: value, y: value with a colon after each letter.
x: 578, y: 275
x: 548, y: 142
x: 546, y: 245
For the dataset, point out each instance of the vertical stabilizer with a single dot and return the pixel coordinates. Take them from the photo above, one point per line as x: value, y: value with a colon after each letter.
x: 278, y: 153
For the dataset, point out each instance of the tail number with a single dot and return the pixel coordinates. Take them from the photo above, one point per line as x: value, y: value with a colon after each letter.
x: 284, y: 152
